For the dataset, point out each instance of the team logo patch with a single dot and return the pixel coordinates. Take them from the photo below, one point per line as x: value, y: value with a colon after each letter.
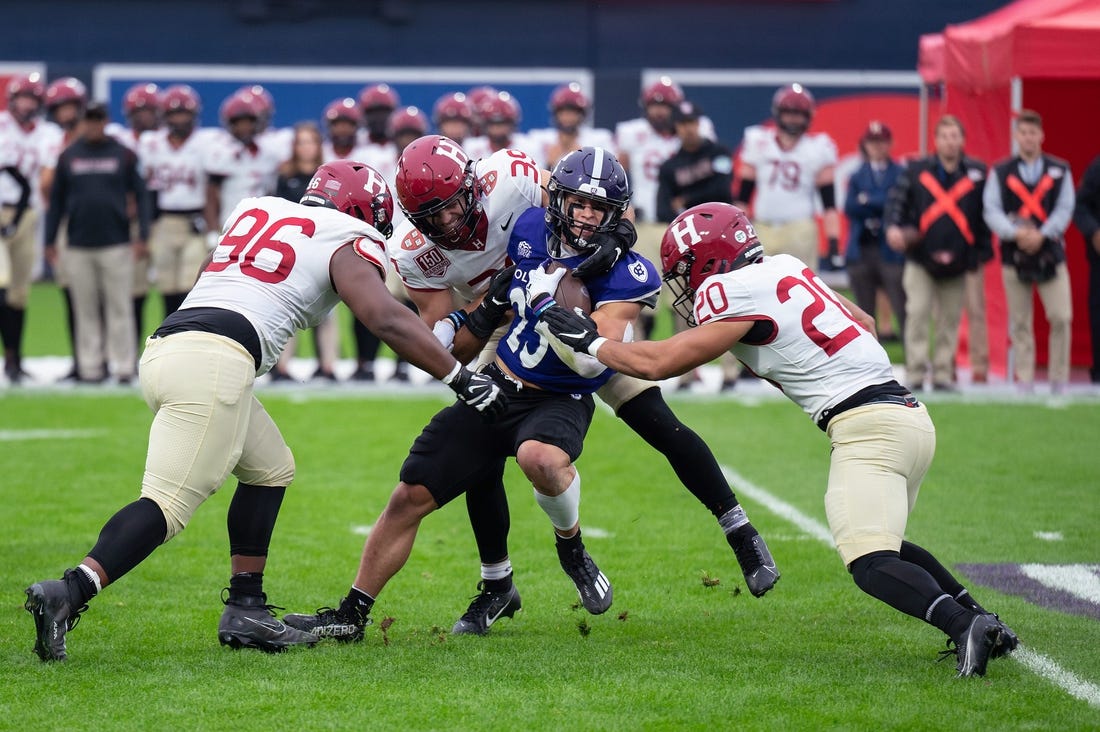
x: 740, y: 236
x: 433, y: 263
x: 639, y: 272
x: 488, y: 182
x: 413, y: 241
x: 524, y: 249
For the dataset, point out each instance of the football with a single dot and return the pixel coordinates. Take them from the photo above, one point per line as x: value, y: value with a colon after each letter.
x: 571, y: 292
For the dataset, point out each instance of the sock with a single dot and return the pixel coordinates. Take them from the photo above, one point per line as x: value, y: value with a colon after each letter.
x: 80, y: 585
x: 923, y: 558
x: 129, y: 537
x: 964, y: 599
x: 564, y: 508
x: 358, y: 602
x: 910, y: 589
x: 489, y: 518
x: 497, y: 577
x: 70, y: 320
x: 732, y: 520
x: 566, y: 547
x: 246, y: 584
x: 695, y: 465
x: 251, y: 518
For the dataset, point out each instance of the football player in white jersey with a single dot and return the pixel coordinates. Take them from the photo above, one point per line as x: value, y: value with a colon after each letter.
x: 28, y: 141
x: 279, y: 266
x: 455, y: 245
x: 790, y: 168
x: 175, y: 158
x: 789, y: 327
x: 141, y: 105
x: 569, y: 107
x: 453, y: 116
x: 242, y: 165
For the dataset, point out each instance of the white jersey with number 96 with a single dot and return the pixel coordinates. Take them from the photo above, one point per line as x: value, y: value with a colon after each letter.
x: 272, y: 266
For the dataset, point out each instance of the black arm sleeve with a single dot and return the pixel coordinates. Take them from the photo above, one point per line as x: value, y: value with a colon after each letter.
x: 745, y: 191
x: 828, y: 196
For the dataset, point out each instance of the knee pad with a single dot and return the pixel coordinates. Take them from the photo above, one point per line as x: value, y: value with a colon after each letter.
x: 281, y: 474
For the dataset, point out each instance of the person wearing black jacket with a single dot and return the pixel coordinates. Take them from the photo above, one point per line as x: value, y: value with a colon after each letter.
x: 701, y: 171
x: 934, y: 215
x: 97, y: 178
x: 1087, y: 218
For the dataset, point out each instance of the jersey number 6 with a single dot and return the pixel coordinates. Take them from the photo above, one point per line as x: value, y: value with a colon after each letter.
x: 257, y: 250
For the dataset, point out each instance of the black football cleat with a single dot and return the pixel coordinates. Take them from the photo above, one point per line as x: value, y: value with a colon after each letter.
x: 49, y: 604
x: 755, y: 559
x: 1008, y: 640
x: 976, y: 646
x: 344, y: 624
x: 592, y: 585
x: 487, y: 607
x: 249, y: 622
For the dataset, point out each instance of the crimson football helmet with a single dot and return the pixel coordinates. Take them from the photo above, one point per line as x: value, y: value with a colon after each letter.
x: 594, y: 174
x: 501, y: 108
x: 797, y: 99
x: 569, y: 96
x: 355, y: 189
x: 408, y: 120
x: 345, y: 109
x: 378, y: 96
x: 29, y: 84
x: 707, y: 239
x: 66, y: 89
x: 141, y: 96
x: 662, y: 91
x: 240, y: 104
x: 180, y: 98
x: 433, y: 173
x: 453, y: 106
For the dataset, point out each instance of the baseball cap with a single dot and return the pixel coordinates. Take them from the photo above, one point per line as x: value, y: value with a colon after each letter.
x: 96, y: 110
x: 686, y: 111
x: 877, y: 132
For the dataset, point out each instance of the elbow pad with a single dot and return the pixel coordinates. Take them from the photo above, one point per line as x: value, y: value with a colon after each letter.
x: 744, y: 193
x: 828, y: 195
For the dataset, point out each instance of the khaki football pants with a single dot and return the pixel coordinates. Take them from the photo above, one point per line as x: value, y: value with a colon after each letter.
x: 797, y: 238
x: 19, y: 256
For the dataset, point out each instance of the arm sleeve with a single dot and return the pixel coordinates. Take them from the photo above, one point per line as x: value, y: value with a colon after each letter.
x: 1058, y: 221
x: 993, y: 210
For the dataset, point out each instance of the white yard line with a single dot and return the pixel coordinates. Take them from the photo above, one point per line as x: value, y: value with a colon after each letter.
x: 1034, y: 661
x: 19, y: 435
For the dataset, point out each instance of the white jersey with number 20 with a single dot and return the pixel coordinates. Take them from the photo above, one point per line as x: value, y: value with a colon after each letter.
x: 272, y: 266
x: 818, y: 355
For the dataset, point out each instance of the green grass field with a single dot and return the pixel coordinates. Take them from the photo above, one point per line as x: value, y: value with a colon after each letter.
x: 672, y: 653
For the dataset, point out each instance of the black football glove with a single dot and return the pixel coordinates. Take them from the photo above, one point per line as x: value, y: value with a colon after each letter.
x: 485, y: 318
x: 477, y: 391
x: 610, y: 248
x: 574, y: 329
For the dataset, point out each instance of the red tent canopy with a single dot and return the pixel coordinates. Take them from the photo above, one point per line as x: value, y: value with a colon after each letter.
x: 1035, y: 54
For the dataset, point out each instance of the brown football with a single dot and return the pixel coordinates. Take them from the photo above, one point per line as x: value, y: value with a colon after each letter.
x: 571, y: 292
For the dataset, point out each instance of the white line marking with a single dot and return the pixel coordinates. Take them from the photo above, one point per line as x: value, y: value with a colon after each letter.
x: 1049, y: 535
x: 362, y: 530
x: 594, y: 532
x: 1080, y: 580
x: 19, y: 435
x: 1034, y: 661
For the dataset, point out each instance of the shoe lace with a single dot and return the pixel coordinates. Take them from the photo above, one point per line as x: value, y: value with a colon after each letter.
x: 74, y: 615
x: 339, y: 616
x: 482, y: 601
x: 263, y: 605
x: 582, y: 567
x: 748, y: 556
x: 952, y: 651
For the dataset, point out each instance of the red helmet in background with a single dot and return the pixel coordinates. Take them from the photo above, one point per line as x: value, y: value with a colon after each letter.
x: 501, y: 108
x: 355, y: 189
x: 141, y: 96
x: 346, y: 109
x: 30, y: 85
x: 707, y: 239
x: 480, y: 95
x: 180, y: 98
x: 64, y: 90
x: 378, y: 96
x: 569, y: 96
x: 453, y: 106
x: 662, y: 91
x: 434, y: 172
x: 408, y: 120
x: 265, y: 103
x: 241, y: 104
x: 793, y: 98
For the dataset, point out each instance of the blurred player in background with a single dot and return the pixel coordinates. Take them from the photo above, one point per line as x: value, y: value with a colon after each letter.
x: 376, y: 104
x: 790, y: 168
x: 499, y: 116
x: 790, y: 328
x: 453, y: 116
x: 197, y: 375
x: 569, y: 110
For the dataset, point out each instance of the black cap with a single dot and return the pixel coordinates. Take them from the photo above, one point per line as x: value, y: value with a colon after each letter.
x: 686, y: 111
x: 96, y: 110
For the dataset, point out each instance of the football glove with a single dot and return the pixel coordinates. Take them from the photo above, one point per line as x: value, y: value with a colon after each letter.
x: 486, y: 317
x: 574, y: 329
x: 541, y: 286
x: 610, y: 248
x: 477, y: 391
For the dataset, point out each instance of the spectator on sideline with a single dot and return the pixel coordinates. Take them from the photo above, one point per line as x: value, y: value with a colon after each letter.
x: 96, y: 186
x: 701, y: 171
x: 1028, y: 203
x: 934, y: 216
x: 1087, y: 218
x: 872, y: 264
x: 293, y: 178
